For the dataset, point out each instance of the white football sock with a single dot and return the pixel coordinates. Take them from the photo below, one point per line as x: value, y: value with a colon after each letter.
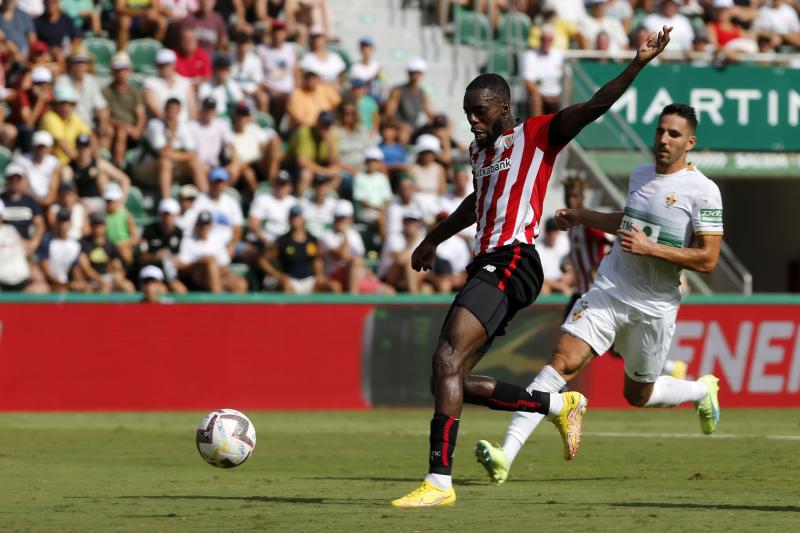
x: 556, y: 404
x: 523, y: 424
x: 443, y: 481
x: 669, y: 392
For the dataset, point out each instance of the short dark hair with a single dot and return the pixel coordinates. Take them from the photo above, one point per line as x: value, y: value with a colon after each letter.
x: 682, y: 110
x: 493, y: 83
x: 172, y: 101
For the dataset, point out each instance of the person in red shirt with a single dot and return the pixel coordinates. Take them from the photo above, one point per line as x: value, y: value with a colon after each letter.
x: 193, y: 62
x: 32, y: 103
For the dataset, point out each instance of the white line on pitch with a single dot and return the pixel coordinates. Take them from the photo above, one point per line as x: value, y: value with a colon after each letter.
x: 620, y: 434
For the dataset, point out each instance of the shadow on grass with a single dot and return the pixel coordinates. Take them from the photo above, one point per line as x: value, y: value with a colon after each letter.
x: 263, y: 499
x: 710, y: 506
x: 463, y: 482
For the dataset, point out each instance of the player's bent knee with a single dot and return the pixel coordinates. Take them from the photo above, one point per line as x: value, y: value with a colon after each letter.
x: 565, y: 364
x: 447, y: 361
x: 637, y: 396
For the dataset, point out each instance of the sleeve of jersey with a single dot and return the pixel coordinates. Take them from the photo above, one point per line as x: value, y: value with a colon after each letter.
x: 538, y: 130
x: 707, y: 211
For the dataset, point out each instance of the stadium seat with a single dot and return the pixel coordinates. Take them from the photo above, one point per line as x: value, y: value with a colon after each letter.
x: 514, y: 30
x: 502, y: 61
x: 135, y: 205
x: 101, y: 51
x: 336, y: 47
x: 143, y: 55
x: 264, y: 120
x: 473, y: 29
x: 5, y: 158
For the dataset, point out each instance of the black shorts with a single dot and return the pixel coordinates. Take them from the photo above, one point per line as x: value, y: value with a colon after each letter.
x: 16, y: 287
x: 499, y: 284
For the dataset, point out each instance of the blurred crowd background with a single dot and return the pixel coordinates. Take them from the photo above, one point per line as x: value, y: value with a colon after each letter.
x: 193, y: 145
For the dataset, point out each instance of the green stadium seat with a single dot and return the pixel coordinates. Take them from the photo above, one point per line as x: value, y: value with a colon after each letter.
x: 502, y: 61
x: 101, y: 50
x: 473, y: 29
x: 143, y: 55
x: 336, y: 47
x: 264, y: 120
x: 514, y: 30
x: 5, y: 158
x: 135, y: 205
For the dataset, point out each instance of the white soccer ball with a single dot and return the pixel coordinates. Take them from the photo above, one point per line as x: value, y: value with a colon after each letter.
x: 226, y: 438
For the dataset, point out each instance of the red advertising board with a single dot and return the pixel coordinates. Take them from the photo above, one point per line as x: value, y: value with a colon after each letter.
x: 205, y: 356
x: 753, y: 349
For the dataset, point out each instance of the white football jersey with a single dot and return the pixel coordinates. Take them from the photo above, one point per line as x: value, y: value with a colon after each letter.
x: 671, y: 209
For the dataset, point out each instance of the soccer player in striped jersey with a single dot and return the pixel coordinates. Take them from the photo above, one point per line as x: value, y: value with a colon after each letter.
x: 672, y: 221
x: 511, y: 163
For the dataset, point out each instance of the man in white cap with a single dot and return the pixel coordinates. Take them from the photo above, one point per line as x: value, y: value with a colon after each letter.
x: 408, y: 104
x: 15, y: 272
x: 168, y: 84
x: 542, y: 71
x: 42, y: 168
x: 151, y: 283
x: 372, y: 191
x: 22, y: 211
x: 32, y: 104
x: 310, y: 98
x: 64, y: 124
x: 91, y: 106
x: 126, y: 105
x: 343, y: 250
x: 268, y: 217
x: 161, y: 243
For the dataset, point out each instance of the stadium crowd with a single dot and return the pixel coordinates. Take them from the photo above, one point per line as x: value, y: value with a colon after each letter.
x: 179, y: 145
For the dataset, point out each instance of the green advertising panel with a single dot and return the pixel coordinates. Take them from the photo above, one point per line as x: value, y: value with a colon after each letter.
x: 740, y: 107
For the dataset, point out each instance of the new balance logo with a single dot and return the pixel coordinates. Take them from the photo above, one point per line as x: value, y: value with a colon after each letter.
x: 489, y: 268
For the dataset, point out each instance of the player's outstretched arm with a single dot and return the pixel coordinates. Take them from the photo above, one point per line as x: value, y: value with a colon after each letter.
x: 463, y: 217
x: 571, y: 120
x: 605, y: 222
x: 701, y: 258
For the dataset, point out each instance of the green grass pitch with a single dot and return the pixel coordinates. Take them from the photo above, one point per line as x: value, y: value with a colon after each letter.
x: 338, y: 471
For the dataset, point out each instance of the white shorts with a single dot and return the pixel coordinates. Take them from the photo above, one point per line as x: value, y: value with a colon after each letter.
x: 303, y: 285
x: 642, y: 340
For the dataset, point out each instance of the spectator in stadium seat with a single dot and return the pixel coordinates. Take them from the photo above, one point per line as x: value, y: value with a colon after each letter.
x: 449, y: 201
x: 314, y: 150
x: 780, y: 18
x: 268, y: 217
x: 682, y: 34
x: 247, y: 72
x: 168, y: 84
x: 449, y: 270
x: 212, y: 32
x: 343, y: 251
x: 565, y: 33
x: 318, y: 208
x: 192, y: 62
x: 368, y: 108
x: 225, y: 211
x: 171, y: 148
x: 203, y: 261
x: 42, y: 169
x: 372, y: 192
x: 120, y: 225
x: 161, y: 244
x: 17, y: 26
x: 553, y: 247
x: 430, y: 179
x: 279, y: 63
x: 64, y: 124
x: 22, y: 211
x: 32, y: 103
x: 542, y: 70
x: 140, y: 16
x: 327, y: 64
x: 311, y: 98
x: 367, y: 69
x: 259, y: 149
x: 439, y: 127
x: 100, y: 260
x: 91, y: 107
x: 395, y: 264
x: 91, y: 174
x: 151, y: 283
x: 305, y: 14
x: 126, y: 107
x: 294, y: 260
x: 408, y: 104
x: 213, y: 140
x: 68, y: 199
x: 15, y: 271
x: 394, y: 153
x: 84, y: 13
x: 56, y: 29
x: 186, y: 196
x: 221, y: 87
x: 622, y: 10
x: 405, y: 200
x: 599, y: 21
x: 352, y: 138
x: 58, y: 256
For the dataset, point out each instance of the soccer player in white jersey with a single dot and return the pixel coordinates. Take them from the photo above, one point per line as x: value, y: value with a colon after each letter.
x: 512, y: 163
x: 672, y: 221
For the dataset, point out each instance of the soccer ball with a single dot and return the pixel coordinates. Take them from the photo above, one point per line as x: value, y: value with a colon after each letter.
x: 225, y: 438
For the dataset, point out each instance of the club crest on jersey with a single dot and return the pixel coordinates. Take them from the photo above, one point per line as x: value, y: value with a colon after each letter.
x: 508, y: 141
x: 671, y: 199
x: 577, y: 315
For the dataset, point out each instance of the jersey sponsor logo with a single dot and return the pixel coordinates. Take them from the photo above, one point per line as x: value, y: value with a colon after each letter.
x: 505, y: 164
x: 489, y: 268
x: 671, y: 199
x: 651, y: 231
x: 711, y: 216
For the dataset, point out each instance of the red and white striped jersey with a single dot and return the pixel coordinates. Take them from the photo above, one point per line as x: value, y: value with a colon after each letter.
x: 511, y: 179
x: 587, y: 247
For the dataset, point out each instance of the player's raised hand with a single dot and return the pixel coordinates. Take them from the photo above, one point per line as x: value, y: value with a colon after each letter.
x: 566, y: 218
x: 654, y: 45
x: 423, y: 255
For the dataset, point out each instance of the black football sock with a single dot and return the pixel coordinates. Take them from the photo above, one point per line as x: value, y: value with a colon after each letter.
x: 443, y: 441
x: 508, y: 397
